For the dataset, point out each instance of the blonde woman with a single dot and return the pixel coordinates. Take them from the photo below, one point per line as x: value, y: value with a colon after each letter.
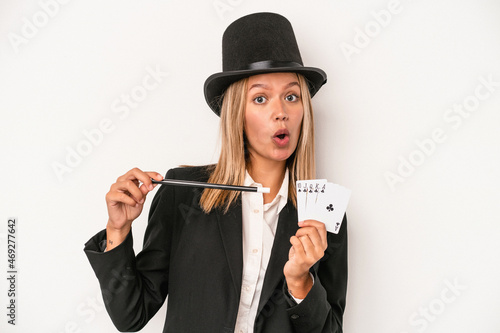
x: 232, y: 261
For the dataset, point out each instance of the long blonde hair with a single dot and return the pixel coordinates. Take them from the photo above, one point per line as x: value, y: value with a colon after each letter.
x: 233, y: 158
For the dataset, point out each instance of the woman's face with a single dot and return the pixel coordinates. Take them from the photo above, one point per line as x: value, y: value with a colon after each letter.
x: 273, y: 116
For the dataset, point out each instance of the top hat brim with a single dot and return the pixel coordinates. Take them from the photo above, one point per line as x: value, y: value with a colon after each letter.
x: 217, y: 83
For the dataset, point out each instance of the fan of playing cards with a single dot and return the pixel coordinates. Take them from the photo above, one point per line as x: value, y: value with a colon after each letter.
x: 322, y: 201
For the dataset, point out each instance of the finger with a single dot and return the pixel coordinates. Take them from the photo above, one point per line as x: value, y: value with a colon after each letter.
x: 313, y: 234
x: 297, y: 246
x: 321, y: 227
x: 143, y: 177
x: 311, y: 241
x: 310, y: 249
x: 130, y: 188
x: 147, y: 183
x: 312, y: 223
x: 113, y: 198
x: 146, y: 179
x: 303, y: 247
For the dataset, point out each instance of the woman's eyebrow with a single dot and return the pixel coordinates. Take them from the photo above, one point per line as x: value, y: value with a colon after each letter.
x: 258, y: 85
x: 265, y: 86
x: 291, y: 84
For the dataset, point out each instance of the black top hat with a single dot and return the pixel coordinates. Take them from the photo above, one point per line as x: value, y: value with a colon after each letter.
x: 256, y: 44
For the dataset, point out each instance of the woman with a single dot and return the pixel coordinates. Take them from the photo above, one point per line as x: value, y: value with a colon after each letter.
x: 231, y: 261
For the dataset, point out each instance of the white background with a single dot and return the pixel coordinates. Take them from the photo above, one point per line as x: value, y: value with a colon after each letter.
x: 423, y: 250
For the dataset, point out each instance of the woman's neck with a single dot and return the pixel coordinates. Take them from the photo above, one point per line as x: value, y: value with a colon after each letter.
x: 269, y: 175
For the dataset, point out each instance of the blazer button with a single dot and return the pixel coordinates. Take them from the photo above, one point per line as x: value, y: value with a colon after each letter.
x: 294, y: 316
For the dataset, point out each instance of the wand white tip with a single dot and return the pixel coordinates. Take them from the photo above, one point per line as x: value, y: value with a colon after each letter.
x: 263, y: 190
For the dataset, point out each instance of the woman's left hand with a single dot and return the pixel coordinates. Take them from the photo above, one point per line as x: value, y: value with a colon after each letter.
x: 308, y: 246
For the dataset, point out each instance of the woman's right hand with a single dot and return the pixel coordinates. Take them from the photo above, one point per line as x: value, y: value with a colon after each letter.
x: 125, y: 201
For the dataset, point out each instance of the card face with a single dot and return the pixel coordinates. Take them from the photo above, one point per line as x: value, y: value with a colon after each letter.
x: 314, y: 192
x: 331, y: 207
x: 307, y: 195
x: 301, y: 188
x: 322, y: 201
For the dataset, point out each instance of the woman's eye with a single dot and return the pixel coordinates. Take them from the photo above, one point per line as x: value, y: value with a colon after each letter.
x: 292, y: 98
x: 259, y: 100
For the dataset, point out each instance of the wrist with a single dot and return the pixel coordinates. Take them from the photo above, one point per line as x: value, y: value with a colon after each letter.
x: 115, y: 236
x: 299, y: 287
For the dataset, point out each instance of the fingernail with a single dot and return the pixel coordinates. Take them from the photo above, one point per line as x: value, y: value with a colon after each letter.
x: 150, y: 187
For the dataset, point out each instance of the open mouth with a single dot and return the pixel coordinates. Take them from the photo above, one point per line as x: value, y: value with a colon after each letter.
x: 281, y: 137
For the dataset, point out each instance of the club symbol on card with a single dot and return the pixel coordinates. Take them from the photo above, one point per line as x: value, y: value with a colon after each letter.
x: 329, y: 208
x: 337, y: 226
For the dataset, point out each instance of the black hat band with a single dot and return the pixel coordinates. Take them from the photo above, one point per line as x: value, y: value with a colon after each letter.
x: 270, y: 64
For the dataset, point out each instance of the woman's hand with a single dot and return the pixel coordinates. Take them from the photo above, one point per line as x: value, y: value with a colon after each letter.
x: 308, y: 246
x: 125, y: 201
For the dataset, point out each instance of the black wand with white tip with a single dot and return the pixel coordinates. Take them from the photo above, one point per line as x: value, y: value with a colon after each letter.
x: 190, y: 183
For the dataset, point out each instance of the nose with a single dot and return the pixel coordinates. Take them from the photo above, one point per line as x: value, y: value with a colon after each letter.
x: 280, y: 111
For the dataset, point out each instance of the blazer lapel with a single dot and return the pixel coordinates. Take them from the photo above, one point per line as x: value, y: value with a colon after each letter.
x: 230, y: 225
x: 287, y: 226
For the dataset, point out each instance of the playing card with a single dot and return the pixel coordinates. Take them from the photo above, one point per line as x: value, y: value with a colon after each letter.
x: 314, y: 191
x: 331, y: 206
x: 301, y: 188
x: 307, y: 191
x: 322, y: 201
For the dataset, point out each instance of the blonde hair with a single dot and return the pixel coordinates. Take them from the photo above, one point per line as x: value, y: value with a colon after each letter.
x: 233, y: 158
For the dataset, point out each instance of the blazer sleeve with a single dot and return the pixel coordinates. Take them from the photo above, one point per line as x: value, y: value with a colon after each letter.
x: 323, y: 308
x: 134, y: 288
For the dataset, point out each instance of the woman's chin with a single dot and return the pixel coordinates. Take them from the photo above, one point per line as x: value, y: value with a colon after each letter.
x: 280, y: 156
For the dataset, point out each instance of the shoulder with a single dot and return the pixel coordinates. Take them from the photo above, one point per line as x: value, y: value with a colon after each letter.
x: 196, y: 173
x: 182, y: 193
